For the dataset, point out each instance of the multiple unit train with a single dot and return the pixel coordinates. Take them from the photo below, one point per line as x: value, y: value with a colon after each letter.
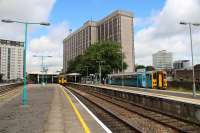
x: 150, y: 79
x: 62, y: 80
x: 71, y: 77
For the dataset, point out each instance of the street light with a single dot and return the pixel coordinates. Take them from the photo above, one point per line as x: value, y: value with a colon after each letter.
x: 122, y: 68
x: 24, y: 96
x: 42, y: 64
x: 100, y: 69
x: 193, y: 74
x: 45, y: 70
x: 87, y: 70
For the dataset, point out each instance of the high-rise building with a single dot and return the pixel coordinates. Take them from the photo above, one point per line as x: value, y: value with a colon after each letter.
x: 162, y: 60
x: 181, y: 64
x: 11, y: 59
x: 118, y: 26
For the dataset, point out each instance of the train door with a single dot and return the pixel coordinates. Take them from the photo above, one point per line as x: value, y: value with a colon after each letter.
x: 144, y: 80
x: 164, y: 80
x: 154, y: 80
x: 160, y: 80
x: 149, y: 80
x: 139, y: 80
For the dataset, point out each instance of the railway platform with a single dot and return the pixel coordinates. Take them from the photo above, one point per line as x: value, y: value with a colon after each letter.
x: 179, y: 105
x: 50, y: 109
x: 159, y: 91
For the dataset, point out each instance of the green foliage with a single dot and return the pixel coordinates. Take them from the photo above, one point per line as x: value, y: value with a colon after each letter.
x: 107, y: 51
x: 150, y: 68
x: 139, y: 67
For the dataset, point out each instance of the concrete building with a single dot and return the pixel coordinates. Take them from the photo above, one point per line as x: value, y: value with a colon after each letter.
x: 186, y: 74
x: 11, y: 59
x: 162, y: 60
x: 118, y: 26
x: 181, y: 64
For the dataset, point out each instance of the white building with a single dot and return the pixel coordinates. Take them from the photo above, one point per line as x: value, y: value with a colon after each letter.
x: 181, y: 64
x: 162, y: 60
x: 11, y: 59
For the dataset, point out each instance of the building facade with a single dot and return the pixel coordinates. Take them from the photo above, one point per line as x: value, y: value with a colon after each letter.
x: 181, y: 64
x: 11, y: 59
x: 162, y: 60
x: 117, y: 26
x: 187, y: 74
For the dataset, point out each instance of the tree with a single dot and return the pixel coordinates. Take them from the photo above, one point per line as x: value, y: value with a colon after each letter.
x: 107, y: 51
x: 139, y: 67
x: 150, y: 68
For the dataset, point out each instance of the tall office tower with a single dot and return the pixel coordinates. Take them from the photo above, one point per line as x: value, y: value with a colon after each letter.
x: 118, y: 26
x: 11, y: 59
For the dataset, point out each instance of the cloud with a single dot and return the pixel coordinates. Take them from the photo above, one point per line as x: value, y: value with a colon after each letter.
x: 48, y: 45
x: 26, y: 10
x: 32, y: 11
x: 165, y: 32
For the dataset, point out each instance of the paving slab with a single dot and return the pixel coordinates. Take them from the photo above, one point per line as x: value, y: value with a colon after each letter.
x: 47, y: 111
x: 15, y: 118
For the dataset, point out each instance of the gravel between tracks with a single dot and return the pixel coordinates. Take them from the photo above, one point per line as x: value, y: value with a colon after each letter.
x: 146, y: 125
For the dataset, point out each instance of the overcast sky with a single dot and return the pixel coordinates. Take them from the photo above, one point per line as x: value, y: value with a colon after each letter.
x: 156, y: 25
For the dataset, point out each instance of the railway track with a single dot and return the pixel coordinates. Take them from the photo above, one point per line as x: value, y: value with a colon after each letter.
x: 132, y: 115
x: 114, y: 123
x: 8, y: 87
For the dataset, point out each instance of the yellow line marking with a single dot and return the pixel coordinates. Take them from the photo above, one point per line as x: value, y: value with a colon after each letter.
x: 81, y: 120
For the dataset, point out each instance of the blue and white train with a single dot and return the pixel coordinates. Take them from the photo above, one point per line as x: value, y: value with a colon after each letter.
x: 150, y: 79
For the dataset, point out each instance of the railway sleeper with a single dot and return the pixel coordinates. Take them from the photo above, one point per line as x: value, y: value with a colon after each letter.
x: 179, y: 126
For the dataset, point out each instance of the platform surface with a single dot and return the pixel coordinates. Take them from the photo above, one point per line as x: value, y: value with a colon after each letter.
x: 165, y: 94
x: 47, y: 111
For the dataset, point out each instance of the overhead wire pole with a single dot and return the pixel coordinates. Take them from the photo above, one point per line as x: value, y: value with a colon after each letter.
x: 45, y: 70
x: 24, y: 96
x: 42, y: 64
x: 87, y: 70
x: 100, y: 69
x: 122, y: 67
x: 193, y: 71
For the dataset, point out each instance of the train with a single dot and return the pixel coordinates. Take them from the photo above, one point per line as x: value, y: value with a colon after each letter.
x: 63, y: 79
x: 149, y: 79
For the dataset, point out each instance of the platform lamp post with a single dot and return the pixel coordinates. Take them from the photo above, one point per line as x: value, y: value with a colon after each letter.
x: 46, y: 77
x: 42, y: 64
x: 87, y: 70
x: 122, y: 67
x: 24, y: 96
x: 193, y: 73
x: 100, y: 62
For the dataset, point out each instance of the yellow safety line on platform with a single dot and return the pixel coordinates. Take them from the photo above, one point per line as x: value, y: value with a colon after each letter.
x: 84, y: 125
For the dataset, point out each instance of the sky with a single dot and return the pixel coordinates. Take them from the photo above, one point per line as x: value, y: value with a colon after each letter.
x: 156, y: 26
